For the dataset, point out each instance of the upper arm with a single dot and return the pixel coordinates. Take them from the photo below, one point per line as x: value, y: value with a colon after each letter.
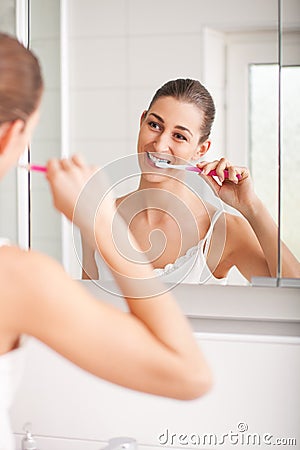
x: 245, y: 251
x: 61, y: 313
x: 92, y: 334
x: 89, y: 266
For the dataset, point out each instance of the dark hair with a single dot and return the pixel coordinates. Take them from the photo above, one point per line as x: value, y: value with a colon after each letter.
x: 190, y: 91
x: 21, y: 82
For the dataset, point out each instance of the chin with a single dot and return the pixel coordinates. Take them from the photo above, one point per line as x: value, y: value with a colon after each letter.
x: 150, y: 172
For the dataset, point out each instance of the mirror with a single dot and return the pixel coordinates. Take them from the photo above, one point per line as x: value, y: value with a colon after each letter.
x: 102, y: 65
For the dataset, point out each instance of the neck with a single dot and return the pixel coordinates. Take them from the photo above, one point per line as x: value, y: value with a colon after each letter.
x: 159, y: 200
x: 168, y: 185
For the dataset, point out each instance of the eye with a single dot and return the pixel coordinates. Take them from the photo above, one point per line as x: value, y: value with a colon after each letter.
x: 154, y: 125
x: 180, y: 137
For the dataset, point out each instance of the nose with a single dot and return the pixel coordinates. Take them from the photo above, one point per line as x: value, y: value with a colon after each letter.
x: 162, y: 143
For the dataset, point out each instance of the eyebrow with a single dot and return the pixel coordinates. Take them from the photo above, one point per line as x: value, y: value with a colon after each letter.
x: 179, y: 127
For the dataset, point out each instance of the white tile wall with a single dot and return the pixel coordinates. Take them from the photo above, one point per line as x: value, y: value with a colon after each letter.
x: 102, y: 151
x: 153, y: 60
x: 98, y: 62
x: 191, y: 15
x: 97, y: 18
x: 98, y: 114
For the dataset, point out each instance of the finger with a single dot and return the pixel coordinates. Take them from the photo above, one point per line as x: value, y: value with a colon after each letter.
x: 241, y: 173
x: 244, y: 172
x: 53, y: 166
x: 222, y: 165
x: 232, y: 174
x: 201, y: 164
x: 78, y: 160
x: 206, y: 167
x: 66, y: 164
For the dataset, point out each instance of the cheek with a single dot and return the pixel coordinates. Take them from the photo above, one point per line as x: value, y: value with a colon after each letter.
x: 144, y: 136
x: 188, y: 151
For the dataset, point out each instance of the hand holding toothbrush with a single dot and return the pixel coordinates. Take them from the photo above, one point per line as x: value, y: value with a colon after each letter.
x: 80, y: 191
x: 235, y: 186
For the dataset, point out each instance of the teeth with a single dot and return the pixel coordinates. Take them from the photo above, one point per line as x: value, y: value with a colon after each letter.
x: 156, y: 159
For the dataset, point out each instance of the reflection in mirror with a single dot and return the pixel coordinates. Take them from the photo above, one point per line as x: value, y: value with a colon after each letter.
x: 290, y: 77
x: 263, y: 157
x: 116, y: 59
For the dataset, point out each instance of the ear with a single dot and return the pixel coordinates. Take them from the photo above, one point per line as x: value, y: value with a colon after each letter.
x: 144, y: 114
x: 201, y: 150
x: 8, y: 132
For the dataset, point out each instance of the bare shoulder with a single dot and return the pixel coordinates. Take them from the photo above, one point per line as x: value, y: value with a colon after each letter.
x: 22, y: 272
x: 120, y: 200
x: 16, y: 263
x: 35, y: 291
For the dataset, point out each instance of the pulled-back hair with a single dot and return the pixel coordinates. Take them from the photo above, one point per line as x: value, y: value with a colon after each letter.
x: 190, y: 91
x: 21, y: 81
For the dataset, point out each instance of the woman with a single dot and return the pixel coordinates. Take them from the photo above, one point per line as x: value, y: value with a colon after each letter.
x: 154, y: 345
x: 203, y: 248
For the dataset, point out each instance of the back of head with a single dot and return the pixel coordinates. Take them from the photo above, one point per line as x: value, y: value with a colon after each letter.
x: 21, y: 81
x: 190, y: 91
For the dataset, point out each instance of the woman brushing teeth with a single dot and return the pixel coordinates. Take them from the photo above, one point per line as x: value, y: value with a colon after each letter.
x: 174, y: 131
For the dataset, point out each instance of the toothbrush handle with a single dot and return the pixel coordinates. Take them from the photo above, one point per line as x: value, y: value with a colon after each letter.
x: 212, y: 173
x: 37, y: 168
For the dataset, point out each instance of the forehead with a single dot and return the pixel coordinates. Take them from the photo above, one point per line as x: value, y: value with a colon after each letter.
x: 177, y: 112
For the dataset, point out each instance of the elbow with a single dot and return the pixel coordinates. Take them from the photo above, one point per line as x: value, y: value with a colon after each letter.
x: 200, y: 385
x: 195, y: 384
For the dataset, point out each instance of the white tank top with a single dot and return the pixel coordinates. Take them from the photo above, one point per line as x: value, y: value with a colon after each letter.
x: 189, y: 268
x: 11, y: 369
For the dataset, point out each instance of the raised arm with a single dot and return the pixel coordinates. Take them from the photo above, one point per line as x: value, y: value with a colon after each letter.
x: 155, y: 354
x: 150, y: 349
x: 240, y: 194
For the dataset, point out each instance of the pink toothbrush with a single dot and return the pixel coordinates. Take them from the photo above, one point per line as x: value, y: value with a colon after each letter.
x: 166, y: 165
x: 33, y: 167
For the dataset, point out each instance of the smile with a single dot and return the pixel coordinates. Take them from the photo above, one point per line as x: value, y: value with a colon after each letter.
x: 156, y: 159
